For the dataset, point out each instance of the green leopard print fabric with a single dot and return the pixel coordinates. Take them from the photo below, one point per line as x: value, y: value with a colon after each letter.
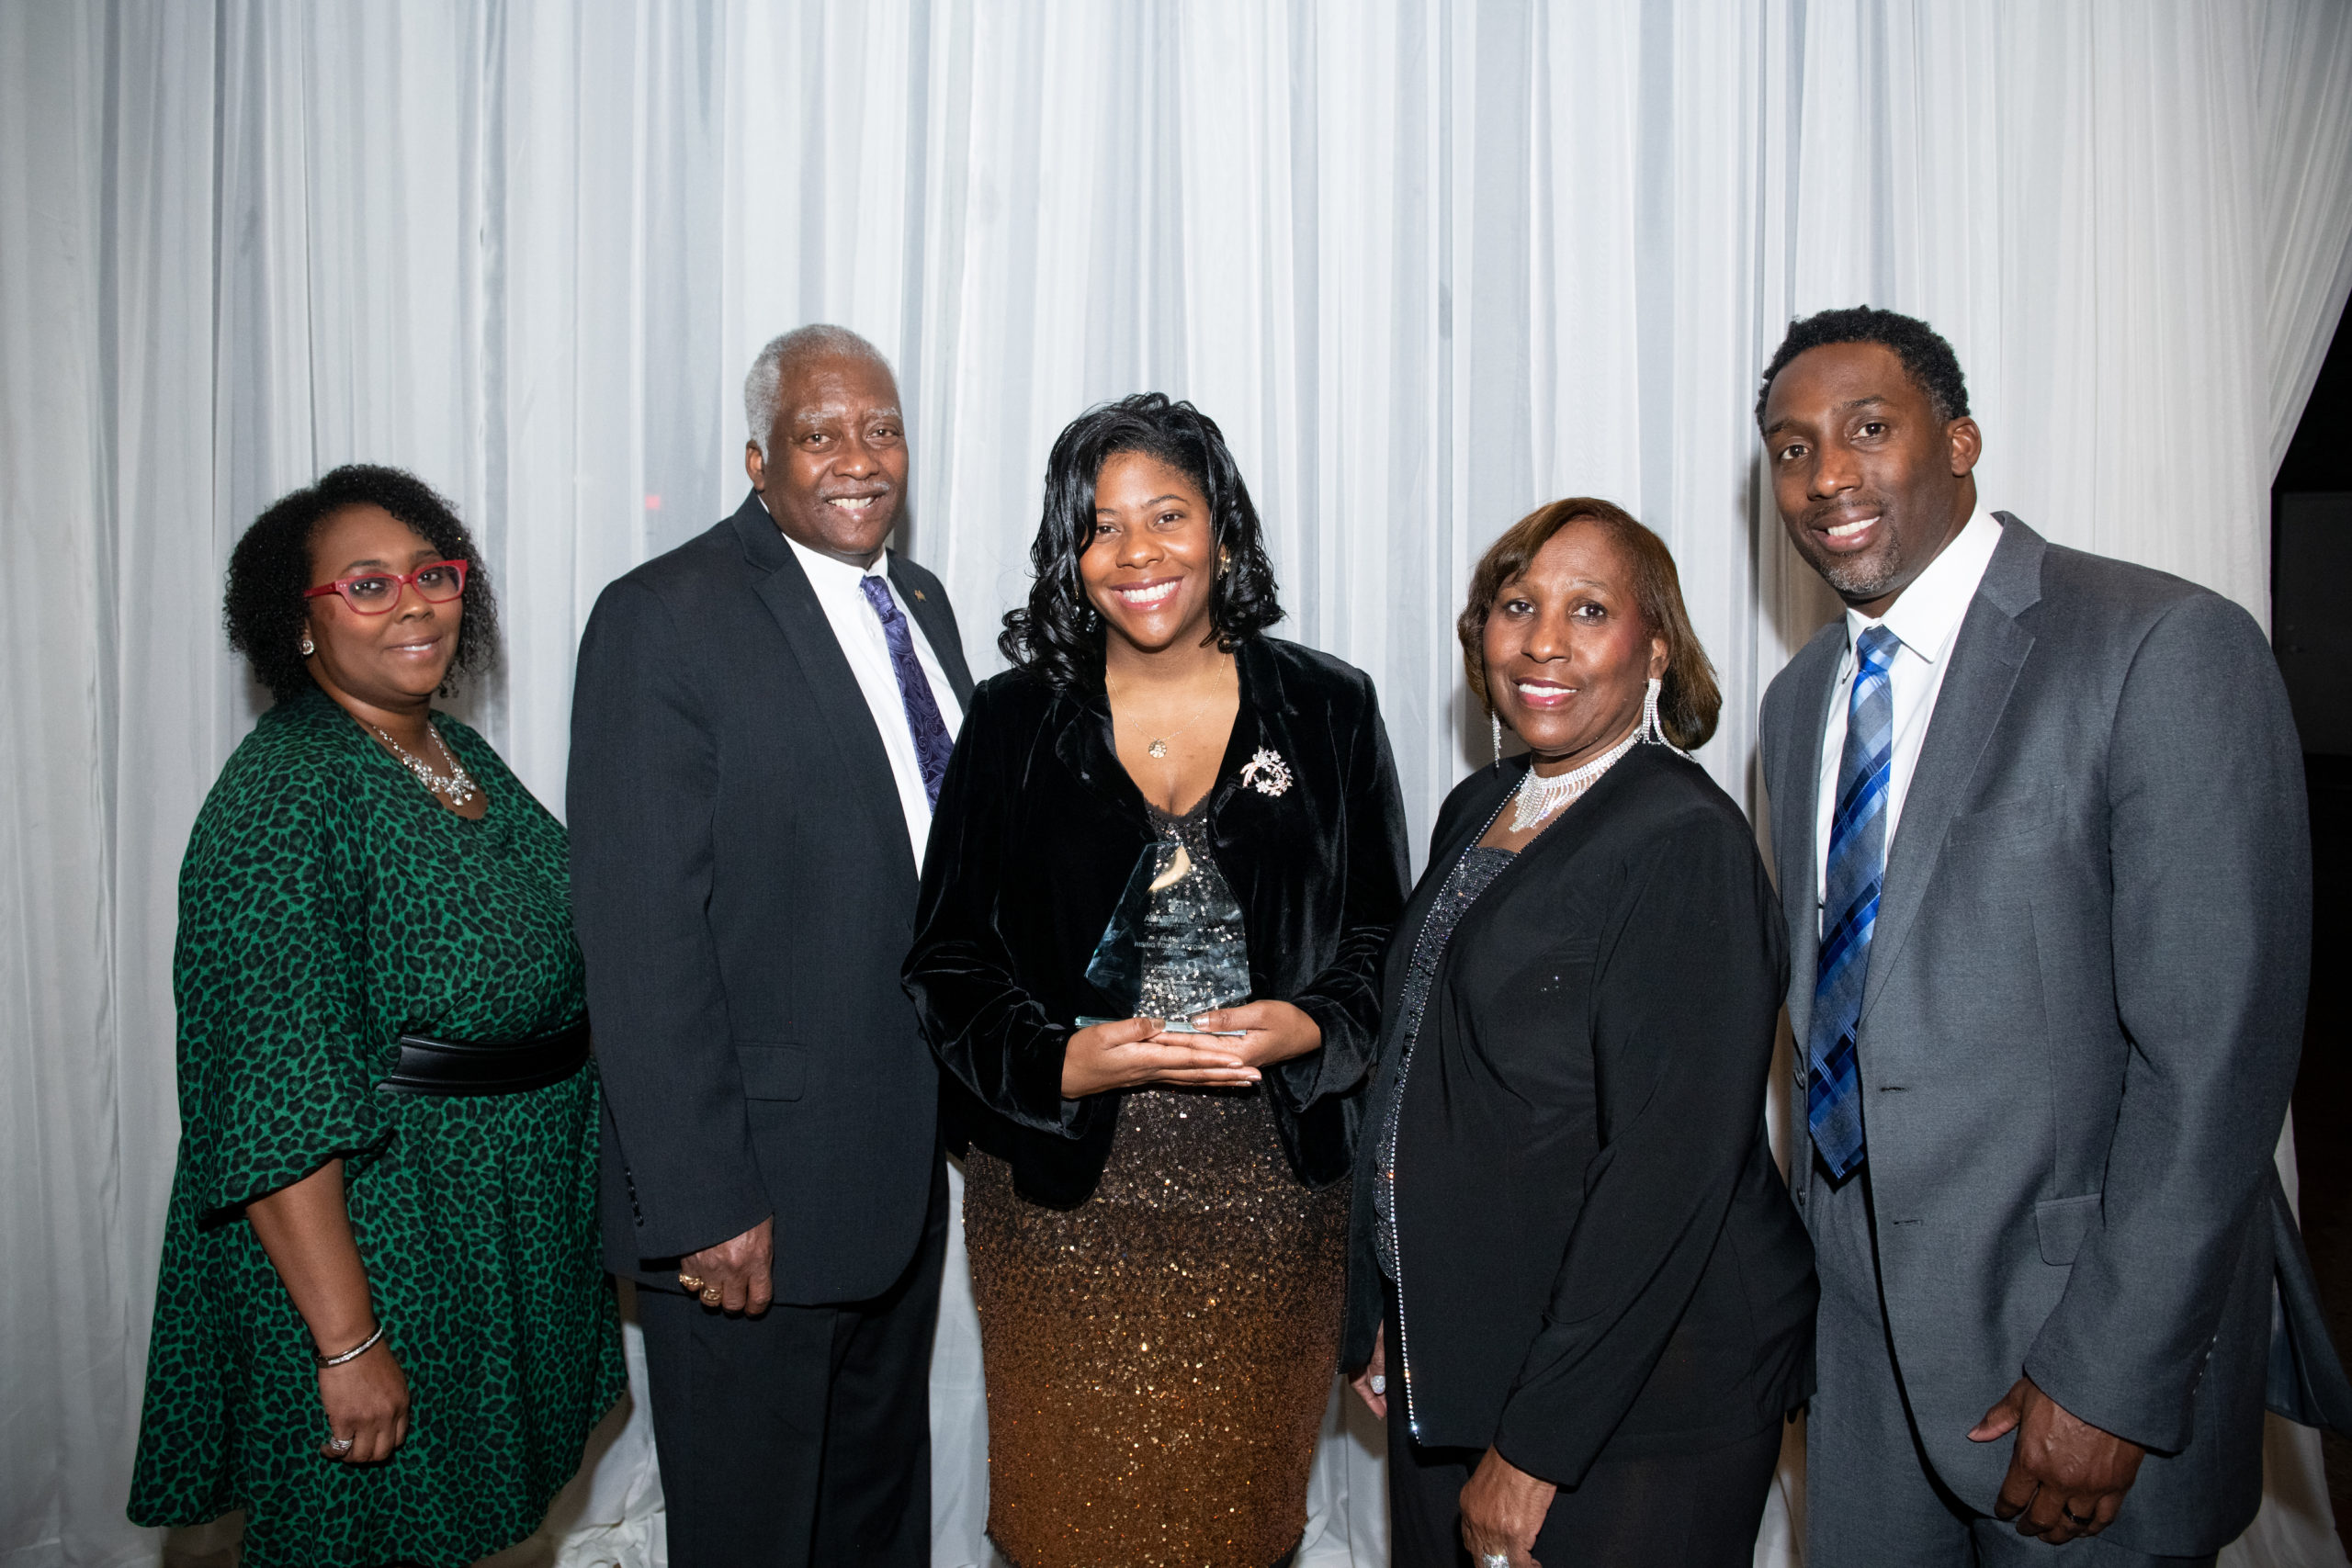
x: 328, y: 905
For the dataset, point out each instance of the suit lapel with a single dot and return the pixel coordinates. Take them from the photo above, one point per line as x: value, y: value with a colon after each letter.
x: 1796, y: 814
x: 1084, y: 744
x: 929, y: 610
x: 1261, y: 684
x: 1985, y: 657
x: 847, y: 722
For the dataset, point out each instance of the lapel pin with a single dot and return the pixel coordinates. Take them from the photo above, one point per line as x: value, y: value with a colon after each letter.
x: 1267, y: 772
x: 918, y: 592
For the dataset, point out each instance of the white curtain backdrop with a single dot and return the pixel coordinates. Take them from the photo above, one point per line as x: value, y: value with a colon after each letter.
x: 1429, y: 262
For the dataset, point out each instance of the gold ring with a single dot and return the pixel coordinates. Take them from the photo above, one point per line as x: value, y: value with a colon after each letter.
x: 690, y: 1282
x: 710, y: 1296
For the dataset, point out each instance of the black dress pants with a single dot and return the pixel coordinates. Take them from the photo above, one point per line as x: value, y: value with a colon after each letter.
x: 801, y: 1437
x: 1696, y: 1510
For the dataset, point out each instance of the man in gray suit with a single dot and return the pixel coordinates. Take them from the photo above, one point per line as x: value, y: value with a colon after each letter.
x: 2038, y: 825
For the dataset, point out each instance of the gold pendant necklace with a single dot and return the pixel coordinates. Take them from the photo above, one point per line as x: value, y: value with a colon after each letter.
x: 1158, y: 746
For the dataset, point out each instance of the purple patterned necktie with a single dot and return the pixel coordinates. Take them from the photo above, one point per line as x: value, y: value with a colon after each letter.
x: 930, y: 731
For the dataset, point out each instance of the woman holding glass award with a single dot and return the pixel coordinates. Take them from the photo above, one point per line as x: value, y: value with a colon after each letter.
x: 1165, y: 863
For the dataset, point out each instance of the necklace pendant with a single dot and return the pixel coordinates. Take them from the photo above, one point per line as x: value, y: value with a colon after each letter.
x: 1158, y: 748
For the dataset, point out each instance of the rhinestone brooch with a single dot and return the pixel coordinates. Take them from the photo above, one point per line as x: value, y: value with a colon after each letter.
x: 1267, y: 772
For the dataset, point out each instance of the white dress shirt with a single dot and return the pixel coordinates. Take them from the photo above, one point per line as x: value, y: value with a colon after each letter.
x: 867, y: 647
x: 1926, y: 621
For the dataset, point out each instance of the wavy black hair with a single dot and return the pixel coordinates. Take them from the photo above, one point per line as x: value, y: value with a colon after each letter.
x: 1926, y: 357
x: 1057, y: 636
x: 263, y: 608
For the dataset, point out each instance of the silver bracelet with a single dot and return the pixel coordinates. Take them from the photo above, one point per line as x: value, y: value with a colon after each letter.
x: 351, y: 1354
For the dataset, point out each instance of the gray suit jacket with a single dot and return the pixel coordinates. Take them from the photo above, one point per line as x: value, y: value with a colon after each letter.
x: 2080, y: 1028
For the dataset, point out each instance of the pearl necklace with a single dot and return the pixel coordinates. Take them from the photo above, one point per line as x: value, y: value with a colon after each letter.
x: 1537, y: 796
x: 456, y: 787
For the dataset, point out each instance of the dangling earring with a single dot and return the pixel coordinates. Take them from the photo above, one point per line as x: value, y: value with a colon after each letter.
x: 307, y: 647
x: 1653, y: 732
x: 1224, y: 559
x: 1495, y: 727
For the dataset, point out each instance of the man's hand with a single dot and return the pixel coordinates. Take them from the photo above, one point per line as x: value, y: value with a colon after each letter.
x: 1372, y: 1383
x: 734, y: 1274
x: 2066, y: 1477
x: 1502, y: 1511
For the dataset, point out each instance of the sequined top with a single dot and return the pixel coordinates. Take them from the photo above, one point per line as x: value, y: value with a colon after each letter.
x: 1157, y: 1356
x: 1472, y: 875
x: 1192, y: 944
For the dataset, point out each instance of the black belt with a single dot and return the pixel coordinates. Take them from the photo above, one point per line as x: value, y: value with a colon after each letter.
x: 461, y: 1068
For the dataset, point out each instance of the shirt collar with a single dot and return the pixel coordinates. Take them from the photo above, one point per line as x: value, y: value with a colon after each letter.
x: 1926, y: 614
x: 829, y: 575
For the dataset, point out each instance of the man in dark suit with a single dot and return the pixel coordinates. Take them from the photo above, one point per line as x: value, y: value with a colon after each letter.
x: 759, y: 728
x: 2040, y: 830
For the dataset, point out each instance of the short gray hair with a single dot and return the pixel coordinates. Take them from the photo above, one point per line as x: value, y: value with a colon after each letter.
x: 764, y: 388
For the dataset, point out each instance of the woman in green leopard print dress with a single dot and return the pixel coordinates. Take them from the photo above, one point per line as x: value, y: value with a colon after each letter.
x: 329, y: 902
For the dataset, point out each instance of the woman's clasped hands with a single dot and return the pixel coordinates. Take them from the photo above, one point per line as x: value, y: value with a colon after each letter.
x: 1135, y: 1053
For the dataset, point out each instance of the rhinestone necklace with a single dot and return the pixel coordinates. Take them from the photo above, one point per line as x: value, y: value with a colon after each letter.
x: 456, y: 787
x: 1538, y: 797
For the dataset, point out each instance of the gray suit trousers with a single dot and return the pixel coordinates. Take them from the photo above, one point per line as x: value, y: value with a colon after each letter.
x: 1871, y: 1498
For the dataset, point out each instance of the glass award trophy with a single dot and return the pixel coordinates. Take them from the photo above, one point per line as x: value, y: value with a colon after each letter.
x: 1175, y: 946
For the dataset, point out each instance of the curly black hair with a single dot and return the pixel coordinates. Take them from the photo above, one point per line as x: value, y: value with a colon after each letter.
x: 1057, y: 636
x: 263, y: 608
x: 1926, y: 356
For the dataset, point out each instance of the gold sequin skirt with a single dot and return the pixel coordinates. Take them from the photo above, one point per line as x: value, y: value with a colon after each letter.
x: 1160, y: 1358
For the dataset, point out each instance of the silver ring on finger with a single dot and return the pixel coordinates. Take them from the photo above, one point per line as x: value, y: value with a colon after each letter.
x: 340, y: 1444
x: 2078, y: 1520
x: 1494, y: 1559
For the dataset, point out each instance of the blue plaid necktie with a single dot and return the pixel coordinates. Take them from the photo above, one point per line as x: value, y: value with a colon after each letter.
x: 1849, y: 889
x: 930, y: 731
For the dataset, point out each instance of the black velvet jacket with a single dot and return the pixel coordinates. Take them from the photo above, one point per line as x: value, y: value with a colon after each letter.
x: 1597, y: 1250
x: 1037, y: 830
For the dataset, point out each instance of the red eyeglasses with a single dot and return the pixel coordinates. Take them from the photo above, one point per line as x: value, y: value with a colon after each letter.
x: 374, y: 593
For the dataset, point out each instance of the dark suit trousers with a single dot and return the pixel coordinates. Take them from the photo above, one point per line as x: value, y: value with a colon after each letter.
x: 800, y: 1438
x: 1695, y: 1510
x: 1870, y: 1497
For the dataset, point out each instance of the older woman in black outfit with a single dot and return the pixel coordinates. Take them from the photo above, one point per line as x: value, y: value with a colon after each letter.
x: 1581, y: 1296
x: 1166, y: 859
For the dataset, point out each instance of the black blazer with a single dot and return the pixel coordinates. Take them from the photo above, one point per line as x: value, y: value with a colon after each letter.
x: 1597, y: 1252
x: 744, y: 892
x: 1037, y: 830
